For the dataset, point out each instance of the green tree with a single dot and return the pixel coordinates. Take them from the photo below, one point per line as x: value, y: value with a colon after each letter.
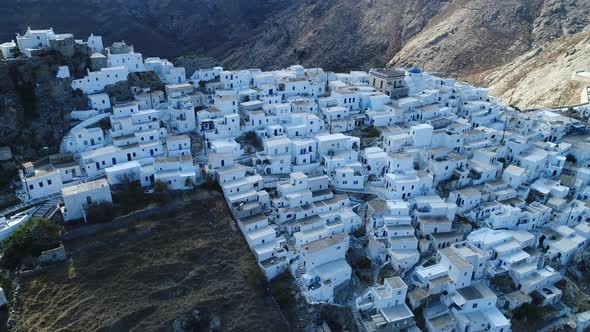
x: 131, y: 193
x: 160, y: 186
x: 16, y: 52
x: 571, y: 158
x: 31, y: 239
x: 528, y: 313
x: 100, y: 212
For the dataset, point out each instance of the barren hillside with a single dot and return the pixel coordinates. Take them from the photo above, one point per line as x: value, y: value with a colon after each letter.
x: 152, y: 276
x: 525, y: 51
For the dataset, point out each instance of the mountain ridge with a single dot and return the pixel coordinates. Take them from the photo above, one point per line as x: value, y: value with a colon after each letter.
x: 492, y: 43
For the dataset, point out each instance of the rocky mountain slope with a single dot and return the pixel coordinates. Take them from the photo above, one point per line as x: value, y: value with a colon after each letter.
x: 507, y: 45
x: 525, y: 51
x: 157, y: 27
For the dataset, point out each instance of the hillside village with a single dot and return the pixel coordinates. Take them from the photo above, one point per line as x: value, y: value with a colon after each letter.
x: 426, y: 176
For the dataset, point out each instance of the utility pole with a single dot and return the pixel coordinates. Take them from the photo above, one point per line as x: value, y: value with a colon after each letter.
x: 570, y: 213
x: 504, y: 130
x: 23, y: 170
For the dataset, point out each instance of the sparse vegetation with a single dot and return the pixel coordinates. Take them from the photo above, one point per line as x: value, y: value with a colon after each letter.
x: 160, y: 186
x: 251, y: 139
x: 279, y: 288
x: 372, y: 132
x: 130, y: 196
x: 255, y: 277
x: 359, y: 232
x: 528, y: 312
x: 362, y: 263
x: 386, y: 272
x: 211, y: 184
x: 361, y: 266
x: 162, y: 194
x: 503, y: 283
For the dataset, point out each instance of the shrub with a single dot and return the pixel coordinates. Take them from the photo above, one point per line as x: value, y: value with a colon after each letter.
x: 189, y: 183
x: 162, y: 195
x: 160, y: 186
x: 373, y: 132
x: 100, y: 212
x: 280, y: 289
x: 528, y: 312
x: 31, y: 239
x: 255, y: 277
x: 359, y: 232
x: 571, y: 159
x: 211, y: 184
x: 16, y: 52
x: 131, y: 194
x: 363, y: 263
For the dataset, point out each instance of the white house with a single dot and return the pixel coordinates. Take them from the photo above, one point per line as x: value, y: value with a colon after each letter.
x: 78, y: 197
x: 165, y: 70
x: 386, y: 306
x: 40, y: 181
x: 122, y: 55
x: 179, y: 145
x: 177, y: 172
x: 96, y: 81
x: 34, y: 40
x: 323, y: 267
x: 406, y: 184
x: 99, y: 101
x: 476, y: 298
x: 347, y: 178
x: 7, y: 49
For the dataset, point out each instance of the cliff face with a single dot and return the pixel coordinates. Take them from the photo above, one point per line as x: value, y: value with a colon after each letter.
x: 34, y: 103
x: 504, y: 44
x: 336, y: 34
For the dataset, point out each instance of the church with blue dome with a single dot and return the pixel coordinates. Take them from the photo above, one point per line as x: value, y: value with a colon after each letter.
x: 415, y: 70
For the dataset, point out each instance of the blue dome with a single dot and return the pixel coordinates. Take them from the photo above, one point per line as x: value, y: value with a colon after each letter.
x: 415, y: 70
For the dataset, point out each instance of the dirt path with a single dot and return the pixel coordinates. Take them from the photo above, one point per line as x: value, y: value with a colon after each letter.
x: 144, y: 277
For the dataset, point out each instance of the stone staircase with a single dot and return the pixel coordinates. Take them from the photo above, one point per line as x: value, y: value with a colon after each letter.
x: 299, y: 279
x: 48, y: 209
x: 28, y: 204
x: 356, y: 315
x: 361, y: 211
x: 291, y: 247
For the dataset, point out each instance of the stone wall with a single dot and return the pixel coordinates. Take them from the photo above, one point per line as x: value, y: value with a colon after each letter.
x: 52, y: 256
x: 118, y: 222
